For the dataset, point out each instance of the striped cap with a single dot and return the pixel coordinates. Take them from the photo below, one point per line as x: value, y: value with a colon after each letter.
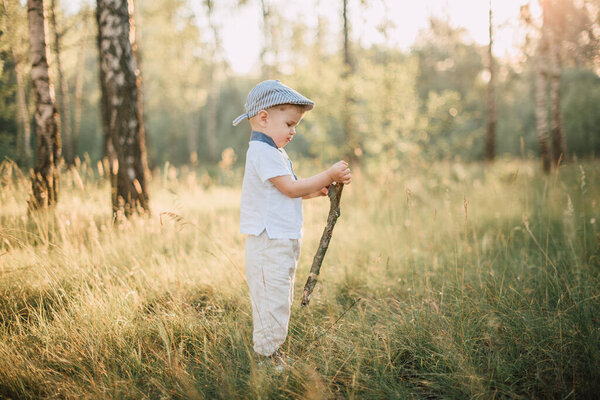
x: 271, y: 93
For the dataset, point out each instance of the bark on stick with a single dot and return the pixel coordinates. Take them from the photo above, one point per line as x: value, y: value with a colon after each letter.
x: 335, y: 194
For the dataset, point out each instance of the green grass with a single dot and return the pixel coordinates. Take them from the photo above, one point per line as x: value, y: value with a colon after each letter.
x: 441, y: 281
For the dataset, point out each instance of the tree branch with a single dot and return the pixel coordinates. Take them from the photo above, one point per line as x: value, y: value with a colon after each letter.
x: 335, y: 194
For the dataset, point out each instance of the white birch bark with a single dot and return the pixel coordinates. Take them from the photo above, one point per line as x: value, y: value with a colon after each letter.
x: 120, y: 84
x: 44, y: 177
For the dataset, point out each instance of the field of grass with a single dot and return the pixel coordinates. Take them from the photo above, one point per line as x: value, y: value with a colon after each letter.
x: 441, y: 281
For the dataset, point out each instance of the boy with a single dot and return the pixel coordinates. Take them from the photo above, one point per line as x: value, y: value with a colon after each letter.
x: 271, y: 208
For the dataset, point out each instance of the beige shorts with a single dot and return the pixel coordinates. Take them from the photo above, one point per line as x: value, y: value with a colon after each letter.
x: 270, y: 270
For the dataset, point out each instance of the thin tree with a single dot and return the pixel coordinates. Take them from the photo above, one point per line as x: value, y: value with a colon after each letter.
x: 137, y: 15
x: 266, y: 67
x: 556, y: 31
x: 541, y: 78
x: 63, y: 90
x: 79, y: 81
x: 490, y: 137
x: 211, y: 122
x: 44, y: 177
x: 24, y: 132
x: 121, y: 108
x: 353, y: 150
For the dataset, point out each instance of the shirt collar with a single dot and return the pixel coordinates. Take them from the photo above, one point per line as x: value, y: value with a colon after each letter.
x: 261, y: 137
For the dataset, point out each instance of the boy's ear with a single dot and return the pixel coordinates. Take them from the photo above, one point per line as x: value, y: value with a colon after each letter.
x: 262, y: 117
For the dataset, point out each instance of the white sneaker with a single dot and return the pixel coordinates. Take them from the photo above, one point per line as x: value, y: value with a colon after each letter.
x: 276, y: 360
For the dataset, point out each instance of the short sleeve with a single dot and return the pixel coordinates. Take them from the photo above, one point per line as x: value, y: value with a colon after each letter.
x: 270, y: 163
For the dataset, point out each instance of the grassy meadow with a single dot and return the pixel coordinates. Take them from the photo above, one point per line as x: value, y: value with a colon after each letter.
x: 441, y: 281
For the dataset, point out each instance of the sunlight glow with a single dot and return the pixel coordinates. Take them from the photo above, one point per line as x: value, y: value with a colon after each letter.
x: 242, y: 30
x: 241, y: 26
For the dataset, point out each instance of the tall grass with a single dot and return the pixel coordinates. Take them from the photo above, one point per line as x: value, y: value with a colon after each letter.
x: 443, y: 280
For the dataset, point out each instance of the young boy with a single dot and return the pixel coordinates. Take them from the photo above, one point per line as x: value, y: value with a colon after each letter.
x: 271, y: 207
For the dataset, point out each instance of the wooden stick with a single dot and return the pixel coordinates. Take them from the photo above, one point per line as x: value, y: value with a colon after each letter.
x: 335, y: 194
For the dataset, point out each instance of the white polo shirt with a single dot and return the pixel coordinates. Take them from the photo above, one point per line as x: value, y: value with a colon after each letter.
x: 263, y: 206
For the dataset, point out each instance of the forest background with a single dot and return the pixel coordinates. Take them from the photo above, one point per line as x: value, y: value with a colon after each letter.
x: 465, y: 262
x: 426, y: 101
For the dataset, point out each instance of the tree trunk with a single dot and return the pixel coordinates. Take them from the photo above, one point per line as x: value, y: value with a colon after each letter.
x: 124, y: 130
x: 269, y: 51
x: 347, y: 55
x: 541, y: 111
x: 138, y: 56
x: 108, y: 150
x: 44, y: 178
x: 490, y: 138
x: 211, y: 123
x: 24, y: 133
x: 352, y: 146
x: 24, y: 139
x: 63, y: 97
x: 559, y: 147
x: 192, y: 137
x: 79, y: 85
x: 213, y: 99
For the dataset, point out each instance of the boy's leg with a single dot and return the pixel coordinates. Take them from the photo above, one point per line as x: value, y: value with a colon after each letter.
x: 270, y: 271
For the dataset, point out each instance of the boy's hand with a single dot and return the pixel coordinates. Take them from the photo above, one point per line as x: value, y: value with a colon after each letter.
x: 340, y: 172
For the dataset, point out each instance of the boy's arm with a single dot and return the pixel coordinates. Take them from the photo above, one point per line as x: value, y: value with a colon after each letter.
x: 319, y: 193
x: 302, y: 187
x: 338, y: 172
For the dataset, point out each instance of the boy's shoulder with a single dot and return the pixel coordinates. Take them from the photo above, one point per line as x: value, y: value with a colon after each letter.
x: 259, y: 151
x: 258, y: 147
x: 267, y: 161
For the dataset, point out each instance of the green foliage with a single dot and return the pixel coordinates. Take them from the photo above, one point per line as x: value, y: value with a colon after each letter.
x: 388, y: 111
x: 446, y: 60
x: 172, y: 75
x: 13, y: 42
x: 515, y: 105
x: 451, y: 131
x: 580, y: 100
x: 451, y: 92
x: 8, y: 107
x: 424, y: 104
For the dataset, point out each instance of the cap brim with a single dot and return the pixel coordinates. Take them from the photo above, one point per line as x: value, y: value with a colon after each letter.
x: 239, y: 119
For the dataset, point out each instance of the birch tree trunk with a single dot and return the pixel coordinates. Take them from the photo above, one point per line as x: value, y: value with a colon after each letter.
x: 490, y: 137
x: 109, y: 154
x: 135, y: 14
x: 541, y: 110
x: 24, y: 139
x: 63, y: 97
x: 24, y: 133
x: 124, y: 131
x: 44, y: 177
